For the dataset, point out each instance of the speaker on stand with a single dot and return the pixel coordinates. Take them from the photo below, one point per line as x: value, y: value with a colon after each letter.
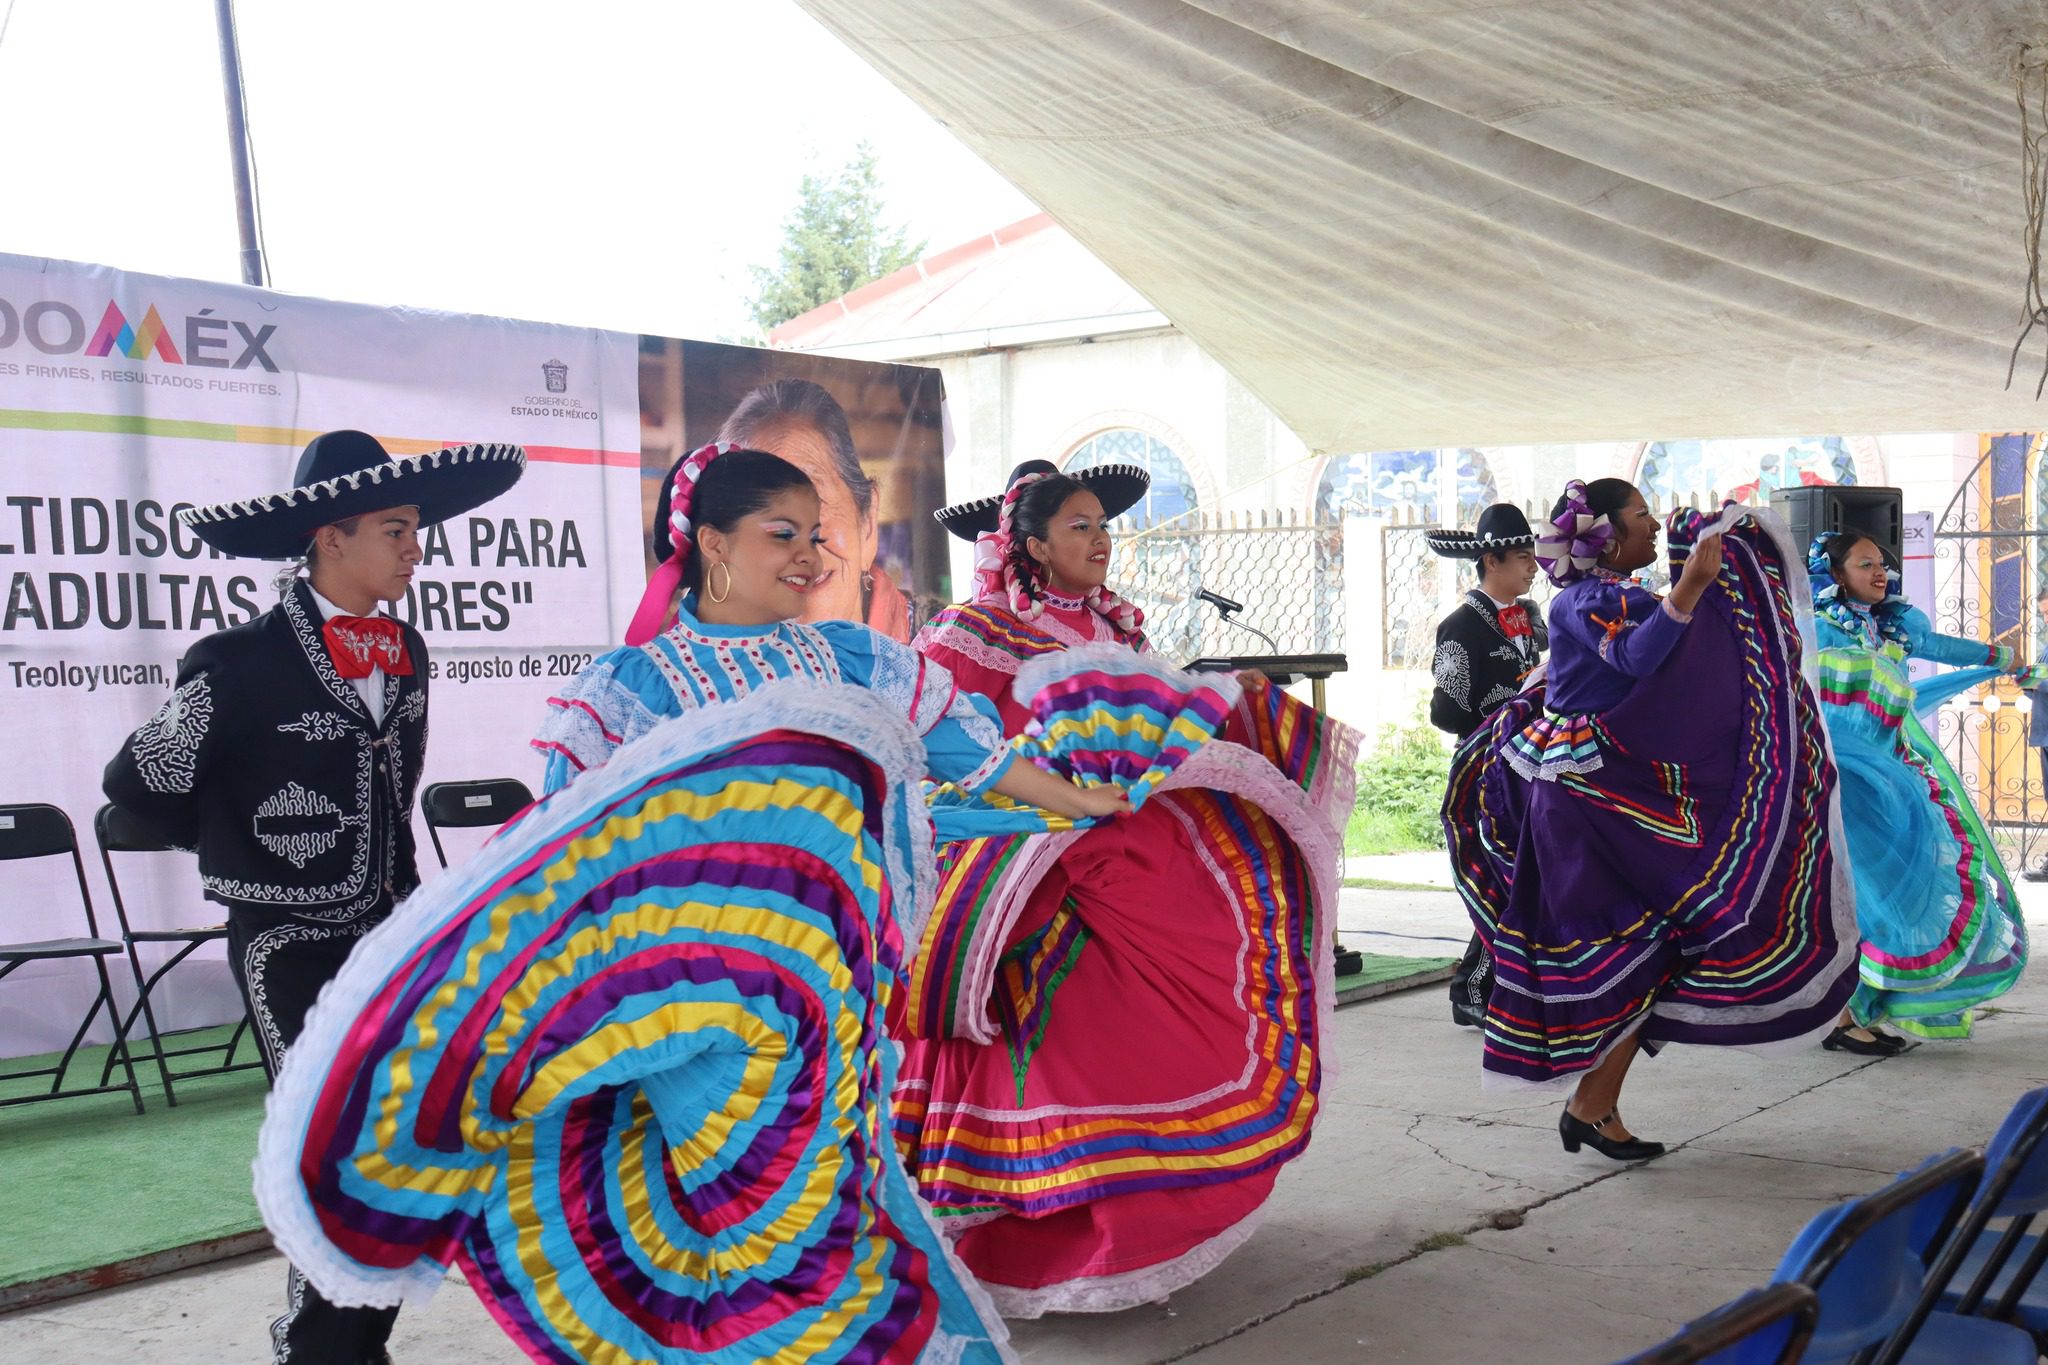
x: 1879, y: 513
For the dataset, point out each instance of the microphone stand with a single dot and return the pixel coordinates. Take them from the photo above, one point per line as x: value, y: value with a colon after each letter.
x: 1227, y: 609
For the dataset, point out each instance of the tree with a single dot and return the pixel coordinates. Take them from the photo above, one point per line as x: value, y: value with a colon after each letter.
x: 833, y: 243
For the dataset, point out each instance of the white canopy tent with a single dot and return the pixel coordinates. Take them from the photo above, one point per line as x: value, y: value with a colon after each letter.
x: 1408, y: 224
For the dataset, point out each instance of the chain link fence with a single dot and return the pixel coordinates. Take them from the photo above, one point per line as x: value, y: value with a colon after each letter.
x: 1289, y: 574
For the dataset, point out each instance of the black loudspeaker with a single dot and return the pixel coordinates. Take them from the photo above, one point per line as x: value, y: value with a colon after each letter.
x: 1879, y: 513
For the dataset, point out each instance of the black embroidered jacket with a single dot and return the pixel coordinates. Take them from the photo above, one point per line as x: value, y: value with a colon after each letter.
x: 1477, y: 667
x: 266, y: 763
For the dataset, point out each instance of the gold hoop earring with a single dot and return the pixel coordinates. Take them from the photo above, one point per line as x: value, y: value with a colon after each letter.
x: 720, y: 596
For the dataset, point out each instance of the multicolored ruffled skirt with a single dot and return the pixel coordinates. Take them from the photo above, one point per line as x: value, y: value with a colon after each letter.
x: 1941, y: 926
x: 1115, y: 1036
x: 628, y: 1066
x: 1675, y: 874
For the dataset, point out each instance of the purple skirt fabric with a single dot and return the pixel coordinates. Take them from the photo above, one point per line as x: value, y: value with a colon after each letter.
x: 1672, y: 869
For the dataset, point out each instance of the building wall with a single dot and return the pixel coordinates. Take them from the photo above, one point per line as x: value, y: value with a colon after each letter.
x: 1042, y: 402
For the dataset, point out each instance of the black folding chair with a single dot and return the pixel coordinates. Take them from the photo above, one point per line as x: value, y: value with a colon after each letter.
x: 471, y: 805
x: 36, y: 830
x: 117, y: 832
x: 1768, y: 1326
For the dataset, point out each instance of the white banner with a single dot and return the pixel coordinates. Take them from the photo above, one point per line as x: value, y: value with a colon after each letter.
x: 124, y: 397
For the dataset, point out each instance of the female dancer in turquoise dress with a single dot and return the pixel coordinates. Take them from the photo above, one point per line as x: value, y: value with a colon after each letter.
x: 628, y: 1067
x: 1941, y: 928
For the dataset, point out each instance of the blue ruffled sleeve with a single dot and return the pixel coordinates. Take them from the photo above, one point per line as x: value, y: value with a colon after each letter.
x: 1929, y: 643
x: 963, y: 736
x: 616, y: 700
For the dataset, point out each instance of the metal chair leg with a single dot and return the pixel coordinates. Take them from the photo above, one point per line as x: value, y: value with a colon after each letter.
x: 134, y: 1087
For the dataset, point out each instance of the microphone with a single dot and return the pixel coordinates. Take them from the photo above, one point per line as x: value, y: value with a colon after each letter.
x: 1225, y: 607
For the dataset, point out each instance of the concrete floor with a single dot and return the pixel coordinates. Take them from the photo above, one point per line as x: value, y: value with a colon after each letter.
x: 1429, y: 1222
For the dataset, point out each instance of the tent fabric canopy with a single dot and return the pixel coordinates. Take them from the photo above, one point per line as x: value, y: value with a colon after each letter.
x: 1408, y: 224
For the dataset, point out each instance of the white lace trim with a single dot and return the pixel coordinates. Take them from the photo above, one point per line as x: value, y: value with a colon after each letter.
x: 1109, y: 657
x: 846, y: 715
x: 1114, y: 1293
x: 596, y: 714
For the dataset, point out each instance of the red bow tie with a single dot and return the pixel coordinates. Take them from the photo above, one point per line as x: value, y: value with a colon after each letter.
x: 359, y: 645
x: 1514, y: 621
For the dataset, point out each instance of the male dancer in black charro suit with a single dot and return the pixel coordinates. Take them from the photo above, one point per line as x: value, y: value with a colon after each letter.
x: 1484, y: 650
x: 289, y: 755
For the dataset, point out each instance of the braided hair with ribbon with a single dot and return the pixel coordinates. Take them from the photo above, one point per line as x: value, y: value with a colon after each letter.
x: 1029, y: 505
x: 714, y: 485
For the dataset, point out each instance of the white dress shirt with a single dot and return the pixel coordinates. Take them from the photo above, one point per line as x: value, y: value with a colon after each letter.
x: 370, y: 689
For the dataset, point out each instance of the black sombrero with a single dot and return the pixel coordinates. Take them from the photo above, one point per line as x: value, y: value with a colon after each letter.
x: 346, y: 473
x: 1501, y: 527
x: 1119, y: 486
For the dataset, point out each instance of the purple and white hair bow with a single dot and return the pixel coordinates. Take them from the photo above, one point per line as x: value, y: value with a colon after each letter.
x: 1569, y: 545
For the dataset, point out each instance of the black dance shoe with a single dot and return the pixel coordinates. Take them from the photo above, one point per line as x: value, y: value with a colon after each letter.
x: 1882, y: 1045
x: 1465, y: 1018
x: 2037, y: 873
x: 1576, y: 1131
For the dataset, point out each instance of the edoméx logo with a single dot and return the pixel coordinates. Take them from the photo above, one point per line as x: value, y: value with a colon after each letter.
x: 56, y: 328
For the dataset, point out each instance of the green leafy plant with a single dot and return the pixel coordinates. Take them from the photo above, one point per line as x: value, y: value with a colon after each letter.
x: 1400, y: 791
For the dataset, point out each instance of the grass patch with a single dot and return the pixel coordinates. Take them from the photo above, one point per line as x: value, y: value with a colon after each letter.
x: 1362, y: 1272
x: 1442, y: 1241
x: 1370, y: 833
x: 1382, y: 884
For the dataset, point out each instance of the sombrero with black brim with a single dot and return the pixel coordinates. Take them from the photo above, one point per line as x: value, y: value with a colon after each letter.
x: 1119, y: 486
x: 343, y: 474
x: 1502, y: 527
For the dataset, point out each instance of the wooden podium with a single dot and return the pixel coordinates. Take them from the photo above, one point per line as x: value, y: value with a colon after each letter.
x: 1282, y: 669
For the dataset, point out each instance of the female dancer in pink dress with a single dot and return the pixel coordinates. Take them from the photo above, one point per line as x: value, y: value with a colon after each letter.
x: 1115, y: 1035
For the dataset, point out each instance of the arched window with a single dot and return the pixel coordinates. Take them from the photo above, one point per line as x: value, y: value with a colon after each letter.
x: 1741, y: 469
x: 1172, y: 494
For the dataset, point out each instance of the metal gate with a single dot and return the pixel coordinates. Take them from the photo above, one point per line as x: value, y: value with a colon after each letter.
x: 1990, y: 564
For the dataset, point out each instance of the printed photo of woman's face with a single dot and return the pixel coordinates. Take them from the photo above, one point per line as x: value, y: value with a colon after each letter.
x: 850, y: 538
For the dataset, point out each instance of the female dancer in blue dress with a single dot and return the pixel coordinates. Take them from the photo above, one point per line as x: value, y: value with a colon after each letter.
x: 1941, y: 928
x: 628, y: 1067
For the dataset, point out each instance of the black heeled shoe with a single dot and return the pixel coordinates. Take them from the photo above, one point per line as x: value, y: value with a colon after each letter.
x: 1576, y: 1131
x: 1882, y: 1046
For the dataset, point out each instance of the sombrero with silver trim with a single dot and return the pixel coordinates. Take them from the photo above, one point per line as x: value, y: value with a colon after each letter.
x: 346, y: 473
x: 1119, y: 486
x: 1501, y: 527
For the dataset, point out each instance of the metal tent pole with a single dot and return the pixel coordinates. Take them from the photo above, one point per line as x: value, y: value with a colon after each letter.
x: 254, y: 270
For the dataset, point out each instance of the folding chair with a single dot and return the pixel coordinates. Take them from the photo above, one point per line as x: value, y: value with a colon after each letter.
x: 35, y: 830
x: 1768, y: 1326
x: 117, y: 832
x: 471, y: 805
x: 1998, y: 1270
x: 1868, y: 1261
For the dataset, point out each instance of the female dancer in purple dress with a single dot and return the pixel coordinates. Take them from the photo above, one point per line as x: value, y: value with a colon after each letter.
x: 1648, y: 838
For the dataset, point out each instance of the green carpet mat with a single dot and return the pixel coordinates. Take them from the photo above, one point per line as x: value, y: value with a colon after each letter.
x: 1384, y: 974
x: 89, y: 1182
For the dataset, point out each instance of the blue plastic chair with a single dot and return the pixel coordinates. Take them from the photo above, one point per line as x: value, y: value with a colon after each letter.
x: 1768, y: 1326
x: 1868, y: 1260
x: 1994, y: 1273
